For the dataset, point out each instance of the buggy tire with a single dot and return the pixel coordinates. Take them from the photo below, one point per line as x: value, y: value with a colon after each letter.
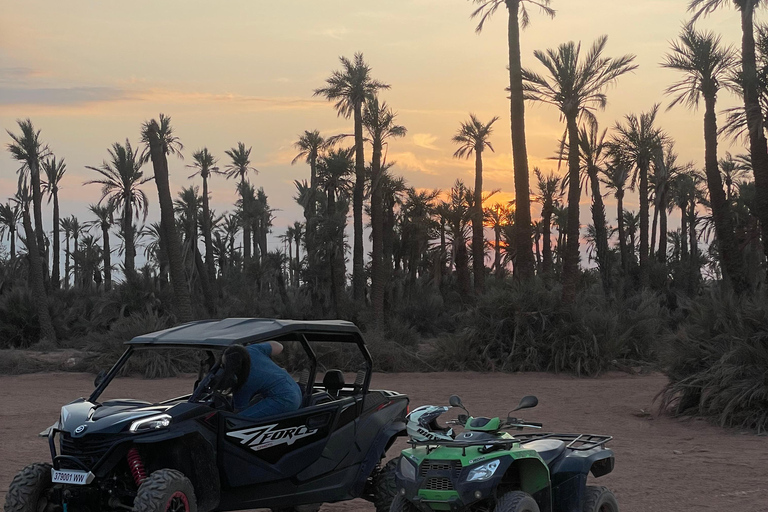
x: 599, y: 499
x: 299, y: 508
x: 400, y: 504
x: 28, y: 488
x: 165, y: 490
x: 516, y: 501
x: 385, y: 486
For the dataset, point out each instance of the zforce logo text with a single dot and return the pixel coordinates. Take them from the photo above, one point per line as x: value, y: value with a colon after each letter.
x: 261, y: 438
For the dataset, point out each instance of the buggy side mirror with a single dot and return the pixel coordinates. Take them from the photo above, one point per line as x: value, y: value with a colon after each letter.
x: 99, y: 378
x: 527, y: 402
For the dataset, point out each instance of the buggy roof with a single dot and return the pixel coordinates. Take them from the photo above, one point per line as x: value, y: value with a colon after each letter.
x: 222, y: 333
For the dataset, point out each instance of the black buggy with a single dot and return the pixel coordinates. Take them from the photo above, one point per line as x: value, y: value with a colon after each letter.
x: 194, y: 453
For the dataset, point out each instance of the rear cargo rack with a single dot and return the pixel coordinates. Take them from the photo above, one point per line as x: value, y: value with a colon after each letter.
x: 580, y: 442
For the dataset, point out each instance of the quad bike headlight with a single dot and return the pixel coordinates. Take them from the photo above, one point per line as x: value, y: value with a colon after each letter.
x: 483, y: 472
x: 150, y: 423
x: 407, y: 469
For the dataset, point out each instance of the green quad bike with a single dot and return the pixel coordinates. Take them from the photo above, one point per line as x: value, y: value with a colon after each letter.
x: 484, y: 468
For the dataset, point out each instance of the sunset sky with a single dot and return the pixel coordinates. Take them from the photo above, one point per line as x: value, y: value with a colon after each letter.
x: 89, y: 73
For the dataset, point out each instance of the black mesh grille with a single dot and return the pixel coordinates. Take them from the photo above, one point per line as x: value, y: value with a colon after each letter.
x: 454, y: 466
x: 439, y: 484
x: 88, y: 449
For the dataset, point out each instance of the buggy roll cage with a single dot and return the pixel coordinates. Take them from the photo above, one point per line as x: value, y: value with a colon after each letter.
x: 219, y: 334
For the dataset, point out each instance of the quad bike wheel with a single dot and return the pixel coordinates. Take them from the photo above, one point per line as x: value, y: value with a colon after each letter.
x: 516, y: 501
x: 27, y: 490
x: 165, y: 490
x: 599, y: 499
x: 400, y: 504
x: 385, y: 487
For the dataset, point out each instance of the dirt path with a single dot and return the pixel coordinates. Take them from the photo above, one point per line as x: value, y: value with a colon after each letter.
x: 661, y: 463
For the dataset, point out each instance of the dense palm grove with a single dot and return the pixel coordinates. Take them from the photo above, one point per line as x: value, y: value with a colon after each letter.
x: 454, y: 279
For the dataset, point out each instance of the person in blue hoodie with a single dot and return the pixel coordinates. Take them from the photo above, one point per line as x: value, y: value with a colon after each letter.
x: 252, y: 373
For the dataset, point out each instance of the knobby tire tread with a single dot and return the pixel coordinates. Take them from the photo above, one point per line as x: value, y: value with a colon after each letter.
x: 513, y: 502
x: 27, y: 486
x: 385, y: 486
x: 154, y: 492
x: 592, y: 496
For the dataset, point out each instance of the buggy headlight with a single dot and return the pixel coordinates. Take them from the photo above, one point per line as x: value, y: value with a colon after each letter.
x: 483, y: 471
x: 407, y: 469
x: 150, y: 423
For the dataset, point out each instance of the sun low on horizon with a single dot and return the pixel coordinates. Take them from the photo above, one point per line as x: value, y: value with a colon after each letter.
x: 88, y: 74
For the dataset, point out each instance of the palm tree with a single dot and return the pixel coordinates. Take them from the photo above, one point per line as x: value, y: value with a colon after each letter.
x: 615, y: 177
x: 665, y: 168
x: 758, y: 146
x: 594, y: 152
x: 576, y: 88
x: 238, y: 167
x: 637, y: 142
x: 10, y: 215
x: 379, y: 122
x: 298, y: 231
x: 54, y: 172
x: 705, y: 63
x: 458, y: 213
x: 496, y: 217
x: 310, y: 144
x: 28, y: 149
x: 39, y: 294
x: 159, y: 142
x: 188, y: 206
x: 549, y: 195
x: 121, y: 177
x: 518, y: 17
x: 393, y: 191
x: 104, y: 220
x: 732, y: 170
x: 350, y: 88
x: 473, y: 137
x: 205, y: 165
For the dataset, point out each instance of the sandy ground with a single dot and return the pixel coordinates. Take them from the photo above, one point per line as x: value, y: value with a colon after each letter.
x: 661, y: 463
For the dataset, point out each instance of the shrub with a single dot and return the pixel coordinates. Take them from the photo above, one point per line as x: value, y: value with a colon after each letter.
x: 717, y: 361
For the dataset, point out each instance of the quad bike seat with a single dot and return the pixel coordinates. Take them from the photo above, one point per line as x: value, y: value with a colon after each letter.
x: 548, y: 449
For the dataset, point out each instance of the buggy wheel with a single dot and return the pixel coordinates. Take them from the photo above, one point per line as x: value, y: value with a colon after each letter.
x: 400, y: 504
x: 165, y: 490
x: 599, y: 499
x: 516, y: 501
x: 27, y: 490
x: 384, y: 486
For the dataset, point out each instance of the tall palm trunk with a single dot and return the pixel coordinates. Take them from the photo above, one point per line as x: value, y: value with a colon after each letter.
x: 181, y: 297
x: 39, y: 295
x: 209, y: 263
x: 358, y: 271
x: 683, y: 235
x: 338, y: 268
x: 651, y: 248
x: 571, y: 258
x: 462, y: 268
x: 497, y: 251
x: 732, y: 263
x: 644, y: 215
x: 12, y: 234
x: 37, y: 202
x: 130, y: 246
x: 661, y: 255
x: 55, y: 273
x: 378, y: 273
x: 524, y: 264
x: 546, y: 234
x: 107, y: 258
x: 601, y: 231
x: 622, y: 236
x: 478, y: 241
x: 758, y: 147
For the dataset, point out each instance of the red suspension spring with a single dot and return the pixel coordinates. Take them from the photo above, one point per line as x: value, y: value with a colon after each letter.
x: 136, y: 466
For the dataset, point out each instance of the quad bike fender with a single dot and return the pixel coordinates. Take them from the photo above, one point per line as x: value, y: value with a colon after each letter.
x: 528, y: 473
x: 569, y: 476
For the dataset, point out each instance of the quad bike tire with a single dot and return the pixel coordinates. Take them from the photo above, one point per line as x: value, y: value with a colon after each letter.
x: 400, y: 504
x: 385, y: 486
x: 165, y: 490
x: 599, y: 499
x: 27, y: 490
x: 516, y: 501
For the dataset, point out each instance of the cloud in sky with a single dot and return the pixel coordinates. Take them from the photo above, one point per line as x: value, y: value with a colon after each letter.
x: 60, y: 95
x: 425, y: 140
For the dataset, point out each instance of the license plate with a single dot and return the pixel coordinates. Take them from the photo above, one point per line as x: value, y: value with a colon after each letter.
x: 72, y: 477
